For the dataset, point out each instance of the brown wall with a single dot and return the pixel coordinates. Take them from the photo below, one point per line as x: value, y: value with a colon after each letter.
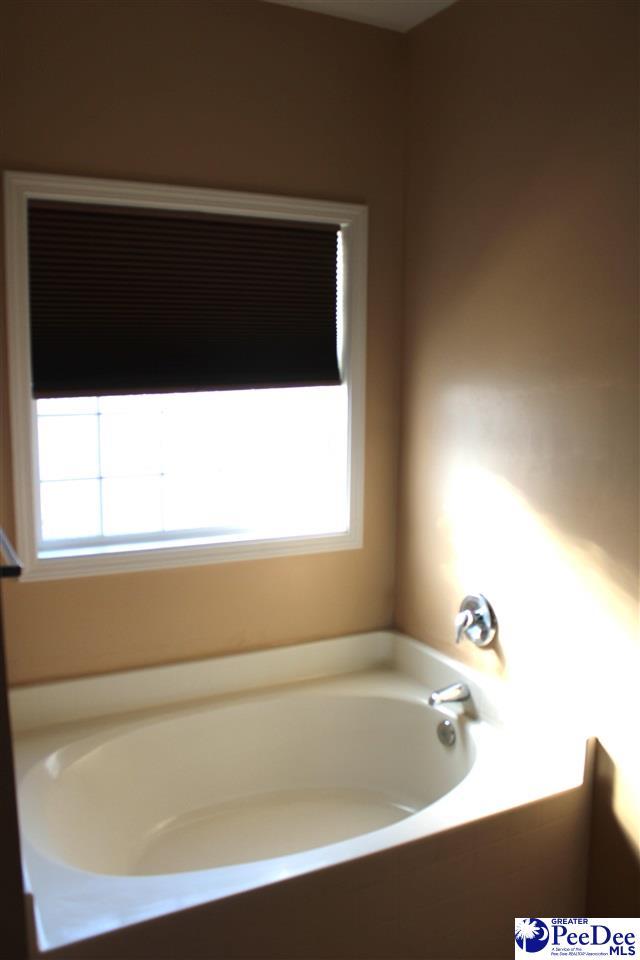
x: 519, y: 463
x: 244, y: 96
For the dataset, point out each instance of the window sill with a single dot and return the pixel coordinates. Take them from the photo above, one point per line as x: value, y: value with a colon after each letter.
x: 96, y: 561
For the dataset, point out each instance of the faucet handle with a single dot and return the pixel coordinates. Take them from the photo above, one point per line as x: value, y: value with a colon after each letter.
x: 476, y: 621
x: 463, y: 620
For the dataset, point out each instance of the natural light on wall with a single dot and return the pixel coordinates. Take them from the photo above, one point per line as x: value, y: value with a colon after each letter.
x: 270, y: 462
x: 568, y: 630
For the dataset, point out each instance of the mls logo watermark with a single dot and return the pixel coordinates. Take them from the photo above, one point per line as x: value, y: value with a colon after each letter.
x: 532, y: 934
x: 564, y: 937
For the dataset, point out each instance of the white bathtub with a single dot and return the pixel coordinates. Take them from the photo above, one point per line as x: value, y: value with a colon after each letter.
x: 298, y: 759
x: 237, y: 783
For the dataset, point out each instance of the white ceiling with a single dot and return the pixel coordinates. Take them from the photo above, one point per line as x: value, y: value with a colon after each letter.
x: 399, y: 15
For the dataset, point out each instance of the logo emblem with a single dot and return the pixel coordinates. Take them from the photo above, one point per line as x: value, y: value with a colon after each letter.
x: 532, y: 934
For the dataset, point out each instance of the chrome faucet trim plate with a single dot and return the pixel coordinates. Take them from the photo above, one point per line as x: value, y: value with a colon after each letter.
x: 476, y: 621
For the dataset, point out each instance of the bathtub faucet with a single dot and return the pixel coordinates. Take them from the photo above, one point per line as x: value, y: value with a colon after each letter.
x: 454, y: 693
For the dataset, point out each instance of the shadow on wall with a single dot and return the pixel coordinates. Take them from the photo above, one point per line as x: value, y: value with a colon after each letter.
x: 611, y: 851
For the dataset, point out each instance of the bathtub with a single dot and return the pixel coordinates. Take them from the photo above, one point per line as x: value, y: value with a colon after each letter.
x: 150, y: 798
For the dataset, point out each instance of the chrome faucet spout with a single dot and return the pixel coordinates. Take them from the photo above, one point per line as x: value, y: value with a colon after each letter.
x: 454, y: 693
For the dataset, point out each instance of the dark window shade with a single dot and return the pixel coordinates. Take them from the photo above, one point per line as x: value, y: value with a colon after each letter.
x: 130, y: 300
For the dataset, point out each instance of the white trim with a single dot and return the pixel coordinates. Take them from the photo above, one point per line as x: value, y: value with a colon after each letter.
x: 170, y: 197
x: 22, y: 415
x: 166, y: 557
x: 19, y: 188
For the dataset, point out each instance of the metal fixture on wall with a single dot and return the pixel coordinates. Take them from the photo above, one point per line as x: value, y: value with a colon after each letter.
x: 476, y: 621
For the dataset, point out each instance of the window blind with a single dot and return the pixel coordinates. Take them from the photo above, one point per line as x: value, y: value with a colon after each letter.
x: 133, y: 300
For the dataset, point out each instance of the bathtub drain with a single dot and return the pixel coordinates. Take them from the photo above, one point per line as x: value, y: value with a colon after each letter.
x: 446, y: 733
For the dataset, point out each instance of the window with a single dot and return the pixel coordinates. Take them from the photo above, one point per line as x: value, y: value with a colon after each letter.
x: 179, y: 470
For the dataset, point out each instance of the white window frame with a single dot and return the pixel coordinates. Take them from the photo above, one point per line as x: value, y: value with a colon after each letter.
x: 19, y: 188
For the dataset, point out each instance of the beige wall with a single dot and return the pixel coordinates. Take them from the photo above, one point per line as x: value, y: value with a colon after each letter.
x: 244, y: 96
x: 519, y: 464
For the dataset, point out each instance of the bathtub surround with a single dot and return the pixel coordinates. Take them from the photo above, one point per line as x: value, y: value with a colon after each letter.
x: 384, y: 905
x: 518, y: 457
x: 291, y: 783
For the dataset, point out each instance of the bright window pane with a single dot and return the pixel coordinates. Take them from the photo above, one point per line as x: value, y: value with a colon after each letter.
x: 67, y: 405
x: 192, y: 443
x: 203, y: 502
x: 303, y: 485
x: 132, y: 505
x: 68, y: 447
x: 70, y: 508
x: 130, y: 445
x: 136, y: 405
x: 264, y: 462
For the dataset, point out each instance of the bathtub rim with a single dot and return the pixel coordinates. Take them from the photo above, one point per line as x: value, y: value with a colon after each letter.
x: 39, y: 706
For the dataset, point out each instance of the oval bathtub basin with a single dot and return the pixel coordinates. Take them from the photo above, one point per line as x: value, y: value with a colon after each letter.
x: 240, y: 782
